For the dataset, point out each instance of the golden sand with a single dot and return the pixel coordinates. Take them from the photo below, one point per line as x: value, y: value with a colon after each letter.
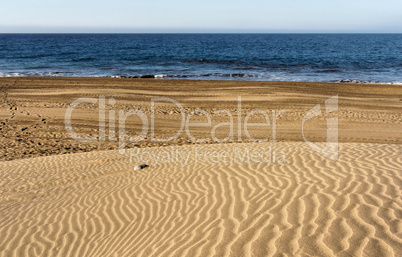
x: 288, y: 201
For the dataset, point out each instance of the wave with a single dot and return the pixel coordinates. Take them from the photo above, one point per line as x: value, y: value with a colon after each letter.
x: 243, y: 75
x: 83, y: 59
x: 40, y: 74
x: 207, y: 76
x: 228, y: 75
x: 212, y: 61
x: 328, y: 71
x: 357, y: 81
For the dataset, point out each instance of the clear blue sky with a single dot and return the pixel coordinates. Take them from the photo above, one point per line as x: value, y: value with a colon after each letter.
x: 200, y: 16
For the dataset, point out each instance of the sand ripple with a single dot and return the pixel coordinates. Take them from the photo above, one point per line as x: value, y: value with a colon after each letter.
x: 95, y: 204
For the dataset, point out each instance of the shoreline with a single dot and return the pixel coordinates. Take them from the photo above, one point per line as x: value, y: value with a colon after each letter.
x: 173, y: 77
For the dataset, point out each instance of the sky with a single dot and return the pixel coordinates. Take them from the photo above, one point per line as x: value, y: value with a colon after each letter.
x: 207, y: 16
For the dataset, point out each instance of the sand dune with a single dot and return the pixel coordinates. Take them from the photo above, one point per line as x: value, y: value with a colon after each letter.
x: 95, y: 204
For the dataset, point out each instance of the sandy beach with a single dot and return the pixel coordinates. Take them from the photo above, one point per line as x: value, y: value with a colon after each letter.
x: 240, y: 197
x: 32, y: 111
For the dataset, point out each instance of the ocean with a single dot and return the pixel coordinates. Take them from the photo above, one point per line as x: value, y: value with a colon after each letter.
x: 373, y: 58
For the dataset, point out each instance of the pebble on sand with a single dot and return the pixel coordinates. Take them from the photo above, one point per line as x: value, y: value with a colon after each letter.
x: 140, y: 167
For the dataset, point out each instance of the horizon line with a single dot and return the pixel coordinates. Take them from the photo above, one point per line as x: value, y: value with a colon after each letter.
x: 200, y: 32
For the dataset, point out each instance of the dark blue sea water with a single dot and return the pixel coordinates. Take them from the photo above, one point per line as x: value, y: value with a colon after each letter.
x: 284, y: 57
